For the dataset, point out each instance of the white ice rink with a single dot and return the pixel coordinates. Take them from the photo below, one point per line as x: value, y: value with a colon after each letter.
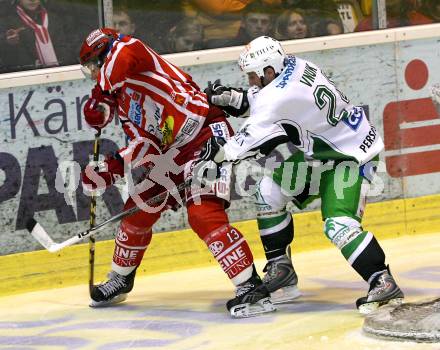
x: 186, y: 309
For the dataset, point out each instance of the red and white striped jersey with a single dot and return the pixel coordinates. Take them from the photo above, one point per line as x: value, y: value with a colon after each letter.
x: 155, y: 97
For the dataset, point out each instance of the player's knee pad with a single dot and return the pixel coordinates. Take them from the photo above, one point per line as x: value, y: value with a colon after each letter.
x: 269, y: 197
x: 206, y: 217
x: 231, y: 250
x: 130, y: 245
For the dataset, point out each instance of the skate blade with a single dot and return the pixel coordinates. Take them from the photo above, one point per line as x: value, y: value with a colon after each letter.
x: 248, y: 310
x: 366, y: 308
x: 285, y: 294
x: 116, y: 300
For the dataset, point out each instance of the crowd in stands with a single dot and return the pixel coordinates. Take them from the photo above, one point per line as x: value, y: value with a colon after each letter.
x: 38, y: 33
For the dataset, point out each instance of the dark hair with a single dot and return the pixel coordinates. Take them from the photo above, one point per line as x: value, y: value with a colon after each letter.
x: 121, y: 9
x: 401, y: 10
x: 185, y: 26
x: 259, y: 7
x: 283, y: 20
x: 14, y: 2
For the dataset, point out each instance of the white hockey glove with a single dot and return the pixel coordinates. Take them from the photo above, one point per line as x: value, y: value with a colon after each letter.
x: 213, y: 150
x: 232, y: 101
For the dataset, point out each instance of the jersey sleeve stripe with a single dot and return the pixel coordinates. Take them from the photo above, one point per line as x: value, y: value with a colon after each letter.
x: 191, y: 97
x: 110, y: 65
x: 166, y: 97
x: 162, y: 65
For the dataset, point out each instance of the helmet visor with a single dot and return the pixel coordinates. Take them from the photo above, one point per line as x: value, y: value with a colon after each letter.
x: 90, y: 69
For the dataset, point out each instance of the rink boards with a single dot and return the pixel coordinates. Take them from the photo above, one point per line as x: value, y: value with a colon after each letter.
x: 180, y: 250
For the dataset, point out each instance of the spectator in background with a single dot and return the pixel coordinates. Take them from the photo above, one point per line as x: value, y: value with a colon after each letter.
x: 322, y: 15
x: 29, y: 39
x: 256, y: 21
x: 152, y: 20
x: 399, y: 13
x: 431, y: 9
x: 123, y: 23
x: 221, y: 19
x: 291, y: 24
x: 328, y: 27
x: 187, y: 35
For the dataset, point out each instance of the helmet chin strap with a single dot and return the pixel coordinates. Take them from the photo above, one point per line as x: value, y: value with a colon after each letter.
x: 101, y: 57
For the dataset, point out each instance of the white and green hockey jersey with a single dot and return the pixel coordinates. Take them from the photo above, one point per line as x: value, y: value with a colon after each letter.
x: 302, y: 105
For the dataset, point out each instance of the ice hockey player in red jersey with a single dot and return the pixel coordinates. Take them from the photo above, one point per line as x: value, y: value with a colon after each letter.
x: 167, y: 120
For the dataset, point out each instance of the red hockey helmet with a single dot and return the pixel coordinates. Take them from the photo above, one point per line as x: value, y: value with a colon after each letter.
x: 96, y: 46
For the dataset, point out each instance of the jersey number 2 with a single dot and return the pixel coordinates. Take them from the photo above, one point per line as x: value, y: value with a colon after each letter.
x: 326, y: 97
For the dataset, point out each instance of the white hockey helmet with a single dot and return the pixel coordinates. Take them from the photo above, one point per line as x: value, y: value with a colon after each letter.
x: 261, y: 53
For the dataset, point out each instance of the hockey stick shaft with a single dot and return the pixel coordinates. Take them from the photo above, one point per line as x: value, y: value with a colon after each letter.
x: 93, y: 218
x: 40, y: 234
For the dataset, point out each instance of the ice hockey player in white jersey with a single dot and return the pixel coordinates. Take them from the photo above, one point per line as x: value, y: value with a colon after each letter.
x: 292, y: 100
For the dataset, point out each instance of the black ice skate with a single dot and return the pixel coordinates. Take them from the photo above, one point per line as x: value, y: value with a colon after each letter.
x: 383, y: 290
x: 251, y: 298
x: 281, y: 279
x: 113, y: 291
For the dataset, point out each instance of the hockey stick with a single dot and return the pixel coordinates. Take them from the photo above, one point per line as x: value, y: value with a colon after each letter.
x: 40, y: 234
x: 93, y: 218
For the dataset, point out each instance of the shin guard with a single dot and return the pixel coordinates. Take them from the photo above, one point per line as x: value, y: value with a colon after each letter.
x: 231, y: 250
x: 360, y: 248
x: 130, y: 245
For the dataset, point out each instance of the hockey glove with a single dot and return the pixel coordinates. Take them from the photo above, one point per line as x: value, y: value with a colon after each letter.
x: 213, y: 150
x: 97, y: 177
x: 99, y: 109
x: 233, y: 101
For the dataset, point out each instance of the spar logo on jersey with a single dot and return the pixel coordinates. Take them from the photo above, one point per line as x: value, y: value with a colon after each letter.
x: 220, y: 130
x: 354, y: 119
x: 287, y: 73
x: 216, y: 247
x: 222, y: 185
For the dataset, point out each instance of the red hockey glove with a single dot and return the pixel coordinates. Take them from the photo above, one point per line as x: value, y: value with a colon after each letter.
x: 99, y: 108
x: 96, y: 177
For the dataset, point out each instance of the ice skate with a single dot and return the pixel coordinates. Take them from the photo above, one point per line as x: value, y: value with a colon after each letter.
x: 383, y: 290
x: 251, y: 298
x: 113, y: 291
x: 281, y: 279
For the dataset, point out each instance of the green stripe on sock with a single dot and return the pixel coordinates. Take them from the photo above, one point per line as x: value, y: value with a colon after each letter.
x: 265, y: 223
x: 352, y: 246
